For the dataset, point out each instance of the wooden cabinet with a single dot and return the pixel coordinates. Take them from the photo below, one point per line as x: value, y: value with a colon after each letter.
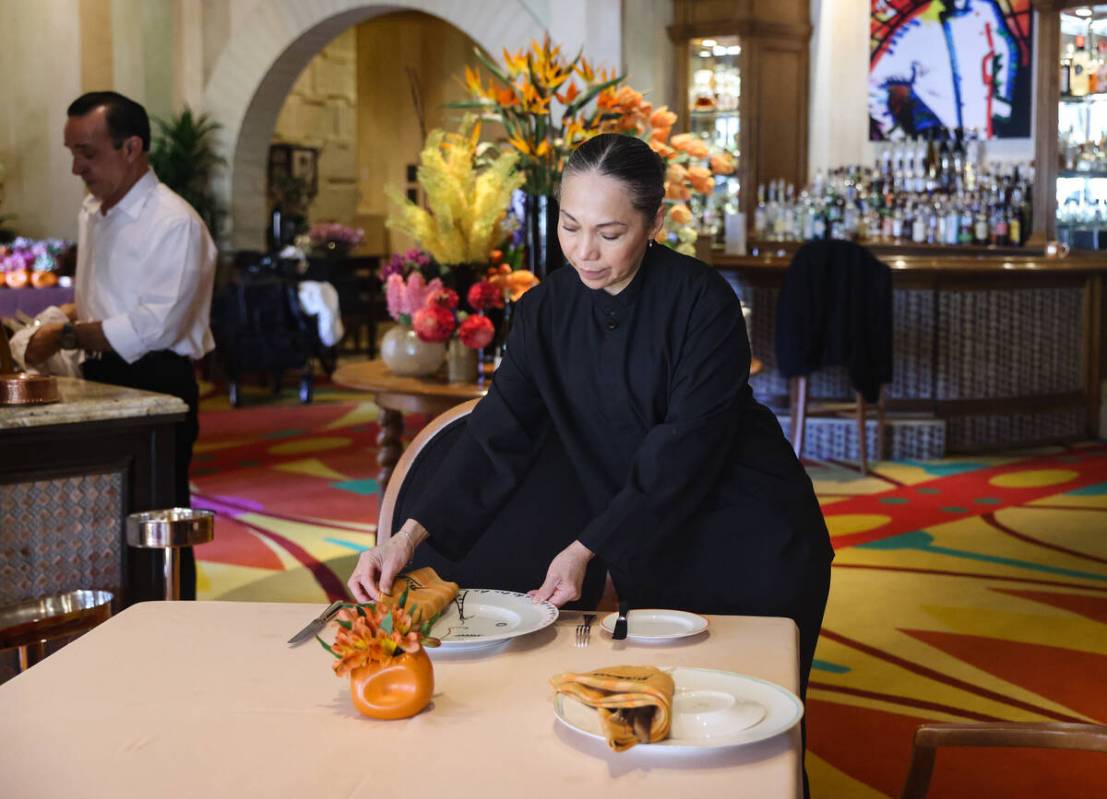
x: 773, y: 64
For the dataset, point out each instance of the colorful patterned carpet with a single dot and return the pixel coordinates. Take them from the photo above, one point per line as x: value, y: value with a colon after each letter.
x: 963, y: 589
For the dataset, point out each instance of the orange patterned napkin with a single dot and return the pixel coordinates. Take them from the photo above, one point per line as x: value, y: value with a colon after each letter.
x: 634, y: 703
x: 428, y: 594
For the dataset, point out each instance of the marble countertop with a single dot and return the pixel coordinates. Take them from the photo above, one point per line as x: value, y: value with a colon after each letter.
x: 84, y: 401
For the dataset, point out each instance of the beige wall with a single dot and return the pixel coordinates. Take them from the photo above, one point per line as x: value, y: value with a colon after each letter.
x: 389, y: 137
x: 648, y: 56
x: 164, y: 53
x: 40, y: 72
x: 321, y: 112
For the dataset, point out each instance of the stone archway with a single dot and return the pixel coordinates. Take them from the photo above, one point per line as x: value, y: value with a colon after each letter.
x: 265, y: 55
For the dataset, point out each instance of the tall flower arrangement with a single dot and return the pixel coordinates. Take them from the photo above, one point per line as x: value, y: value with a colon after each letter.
x: 520, y: 94
x: 467, y: 197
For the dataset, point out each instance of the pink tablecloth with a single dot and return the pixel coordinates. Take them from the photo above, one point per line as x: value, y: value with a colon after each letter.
x: 205, y: 699
x: 32, y: 300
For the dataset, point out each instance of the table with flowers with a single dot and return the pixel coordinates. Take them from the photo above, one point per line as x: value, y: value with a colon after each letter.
x: 192, y: 699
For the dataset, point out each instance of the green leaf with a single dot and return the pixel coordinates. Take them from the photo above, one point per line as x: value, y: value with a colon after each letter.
x: 491, y: 66
x: 587, y: 96
x: 327, y: 646
x: 470, y: 104
x: 386, y: 623
x: 403, y: 596
x: 345, y: 625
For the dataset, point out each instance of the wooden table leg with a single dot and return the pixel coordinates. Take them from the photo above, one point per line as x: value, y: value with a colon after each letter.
x: 390, y: 441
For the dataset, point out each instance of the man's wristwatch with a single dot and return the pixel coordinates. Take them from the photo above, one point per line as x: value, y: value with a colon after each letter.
x: 69, y: 336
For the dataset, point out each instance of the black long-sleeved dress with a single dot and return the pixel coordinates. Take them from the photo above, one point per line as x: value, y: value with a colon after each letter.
x: 696, y: 499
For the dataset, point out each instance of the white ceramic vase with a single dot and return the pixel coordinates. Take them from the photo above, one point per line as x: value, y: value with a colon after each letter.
x: 405, y: 354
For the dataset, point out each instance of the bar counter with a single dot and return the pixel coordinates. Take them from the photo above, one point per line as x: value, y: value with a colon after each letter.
x: 993, y: 349
x: 70, y: 472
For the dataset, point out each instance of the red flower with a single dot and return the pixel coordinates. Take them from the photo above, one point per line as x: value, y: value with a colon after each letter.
x: 484, y: 295
x: 476, y: 332
x: 434, y: 322
x: 445, y: 298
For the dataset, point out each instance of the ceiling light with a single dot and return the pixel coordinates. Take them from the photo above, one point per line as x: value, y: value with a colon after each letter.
x: 708, y: 42
x: 1082, y: 12
x: 733, y: 50
x: 705, y: 54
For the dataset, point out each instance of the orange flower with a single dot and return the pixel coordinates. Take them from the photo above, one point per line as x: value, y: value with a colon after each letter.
x: 677, y: 191
x: 585, y: 71
x: 676, y: 174
x: 516, y: 64
x: 687, y: 143
x: 472, y: 81
x: 698, y: 149
x: 570, y: 94
x: 680, y: 214
x: 628, y: 98
x: 702, y: 179
x: 663, y: 118
x: 660, y: 134
x: 662, y: 149
x: 722, y: 164
x: 519, y: 283
x: 505, y: 97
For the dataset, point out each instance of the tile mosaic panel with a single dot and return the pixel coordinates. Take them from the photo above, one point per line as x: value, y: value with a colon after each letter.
x: 61, y: 534
x: 967, y: 433
x: 836, y: 439
x: 1011, y: 342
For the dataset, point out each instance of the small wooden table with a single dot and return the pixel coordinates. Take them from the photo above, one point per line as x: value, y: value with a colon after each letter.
x: 397, y: 395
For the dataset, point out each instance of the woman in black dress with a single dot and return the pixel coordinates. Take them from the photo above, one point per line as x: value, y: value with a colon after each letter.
x: 638, y: 359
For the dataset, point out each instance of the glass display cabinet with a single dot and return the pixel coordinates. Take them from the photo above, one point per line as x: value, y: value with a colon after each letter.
x: 1081, y: 183
x: 712, y: 109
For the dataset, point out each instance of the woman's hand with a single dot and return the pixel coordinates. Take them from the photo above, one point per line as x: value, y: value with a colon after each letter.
x: 378, y: 567
x: 565, y: 576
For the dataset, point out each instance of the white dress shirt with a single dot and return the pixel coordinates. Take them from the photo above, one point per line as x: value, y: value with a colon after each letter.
x: 145, y: 269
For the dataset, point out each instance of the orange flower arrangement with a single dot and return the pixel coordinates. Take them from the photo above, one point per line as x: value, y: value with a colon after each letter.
x: 519, y: 96
x: 371, y: 633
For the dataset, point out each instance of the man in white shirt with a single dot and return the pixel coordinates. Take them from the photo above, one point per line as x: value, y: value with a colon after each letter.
x: 145, y: 268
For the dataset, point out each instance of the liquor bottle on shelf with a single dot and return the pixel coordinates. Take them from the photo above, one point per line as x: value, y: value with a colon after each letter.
x: 1078, y: 71
x: 963, y: 203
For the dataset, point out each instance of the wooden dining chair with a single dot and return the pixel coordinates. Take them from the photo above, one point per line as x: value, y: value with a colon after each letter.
x: 1050, y: 735
x: 543, y: 515
x: 801, y: 408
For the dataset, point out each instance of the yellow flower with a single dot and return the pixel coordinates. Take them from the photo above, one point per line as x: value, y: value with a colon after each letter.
x: 465, y: 206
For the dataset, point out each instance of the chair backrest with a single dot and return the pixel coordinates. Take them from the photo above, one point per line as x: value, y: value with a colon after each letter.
x: 1050, y: 735
x: 543, y: 516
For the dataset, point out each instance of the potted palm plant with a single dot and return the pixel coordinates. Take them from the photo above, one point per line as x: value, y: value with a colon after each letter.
x: 185, y: 158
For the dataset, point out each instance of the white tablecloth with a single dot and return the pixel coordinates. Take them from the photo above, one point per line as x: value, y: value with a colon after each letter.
x: 205, y: 699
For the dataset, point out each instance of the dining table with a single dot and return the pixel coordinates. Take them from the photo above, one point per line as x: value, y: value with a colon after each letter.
x: 188, y: 699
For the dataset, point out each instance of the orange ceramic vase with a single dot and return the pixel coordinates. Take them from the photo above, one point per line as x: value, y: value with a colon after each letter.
x: 395, y: 690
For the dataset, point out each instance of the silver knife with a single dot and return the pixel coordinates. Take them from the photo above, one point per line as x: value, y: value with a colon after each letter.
x: 621, y: 623
x: 317, y: 624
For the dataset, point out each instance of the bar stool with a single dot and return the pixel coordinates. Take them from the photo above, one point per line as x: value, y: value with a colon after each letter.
x: 30, y: 624
x: 170, y: 530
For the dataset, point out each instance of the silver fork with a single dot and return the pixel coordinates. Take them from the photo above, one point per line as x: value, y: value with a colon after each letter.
x: 584, y: 630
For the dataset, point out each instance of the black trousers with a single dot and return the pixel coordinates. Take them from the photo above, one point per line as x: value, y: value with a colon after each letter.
x: 166, y: 373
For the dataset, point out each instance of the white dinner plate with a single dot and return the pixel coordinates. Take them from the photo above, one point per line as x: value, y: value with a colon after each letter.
x: 711, y: 710
x: 482, y: 617
x: 648, y: 624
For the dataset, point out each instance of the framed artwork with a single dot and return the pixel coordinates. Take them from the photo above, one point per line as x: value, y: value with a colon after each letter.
x: 293, y: 161
x: 950, y: 64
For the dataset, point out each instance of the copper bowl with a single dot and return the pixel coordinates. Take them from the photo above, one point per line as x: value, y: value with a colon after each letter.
x: 25, y: 389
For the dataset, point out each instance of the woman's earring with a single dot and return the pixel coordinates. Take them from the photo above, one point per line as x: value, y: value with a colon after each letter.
x: 651, y: 243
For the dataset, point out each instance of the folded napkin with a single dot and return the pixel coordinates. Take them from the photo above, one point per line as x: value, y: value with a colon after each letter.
x: 428, y: 593
x: 634, y: 703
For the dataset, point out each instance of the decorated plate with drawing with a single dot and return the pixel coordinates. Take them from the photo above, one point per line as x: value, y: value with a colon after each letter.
x: 482, y: 617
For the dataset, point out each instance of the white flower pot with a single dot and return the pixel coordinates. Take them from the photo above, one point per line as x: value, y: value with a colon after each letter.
x: 405, y: 354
